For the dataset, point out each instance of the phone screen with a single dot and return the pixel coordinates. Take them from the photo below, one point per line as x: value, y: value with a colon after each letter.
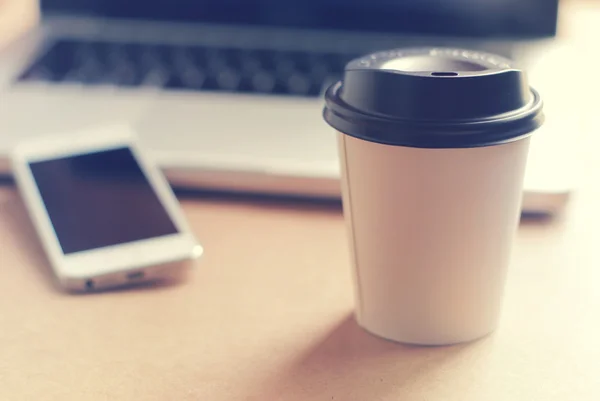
x: 100, y: 199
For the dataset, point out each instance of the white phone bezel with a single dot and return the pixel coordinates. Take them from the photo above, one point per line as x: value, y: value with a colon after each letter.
x: 111, y: 259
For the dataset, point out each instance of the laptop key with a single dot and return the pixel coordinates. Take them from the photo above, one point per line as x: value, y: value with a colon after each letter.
x: 59, y: 59
x: 150, y: 58
x: 284, y: 67
x: 181, y: 57
x: 318, y: 69
x: 299, y: 84
x: 192, y: 78
x: 117, y: 54
x: 124, y: 75
x: 249, y: 64
x: 155, y: 78
x: 263, y: 82
x: 228, y: 79
x: 84, y: 54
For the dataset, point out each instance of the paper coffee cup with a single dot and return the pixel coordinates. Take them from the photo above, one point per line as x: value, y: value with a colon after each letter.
x: 433, y: 145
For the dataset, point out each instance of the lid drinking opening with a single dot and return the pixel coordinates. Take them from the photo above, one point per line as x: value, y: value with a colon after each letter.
x: 444, y: 74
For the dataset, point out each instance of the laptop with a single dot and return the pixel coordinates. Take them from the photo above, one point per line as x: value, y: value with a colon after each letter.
x: 227, y: 94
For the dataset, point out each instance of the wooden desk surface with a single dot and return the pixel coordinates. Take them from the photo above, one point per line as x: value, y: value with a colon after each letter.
x: 267, y: 315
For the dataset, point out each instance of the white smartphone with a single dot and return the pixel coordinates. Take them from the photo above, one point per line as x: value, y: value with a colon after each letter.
x: 105, y: 214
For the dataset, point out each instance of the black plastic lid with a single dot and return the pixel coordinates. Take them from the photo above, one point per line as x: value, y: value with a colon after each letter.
x: 433, y: 98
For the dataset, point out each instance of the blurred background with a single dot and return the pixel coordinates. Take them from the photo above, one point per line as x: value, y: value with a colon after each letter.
x: 332, y: 25
x: 212, y: 85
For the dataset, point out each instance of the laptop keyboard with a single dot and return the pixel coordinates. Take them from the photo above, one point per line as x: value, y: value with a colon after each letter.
x: 191, y: 68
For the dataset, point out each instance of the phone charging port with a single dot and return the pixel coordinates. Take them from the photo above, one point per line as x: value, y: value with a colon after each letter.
x: 135, y: 275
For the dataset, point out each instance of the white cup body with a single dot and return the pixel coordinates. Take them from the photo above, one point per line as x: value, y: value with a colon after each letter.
x: 431, y: 233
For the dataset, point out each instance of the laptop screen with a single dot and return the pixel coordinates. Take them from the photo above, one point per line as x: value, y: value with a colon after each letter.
x: 471, y: 18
